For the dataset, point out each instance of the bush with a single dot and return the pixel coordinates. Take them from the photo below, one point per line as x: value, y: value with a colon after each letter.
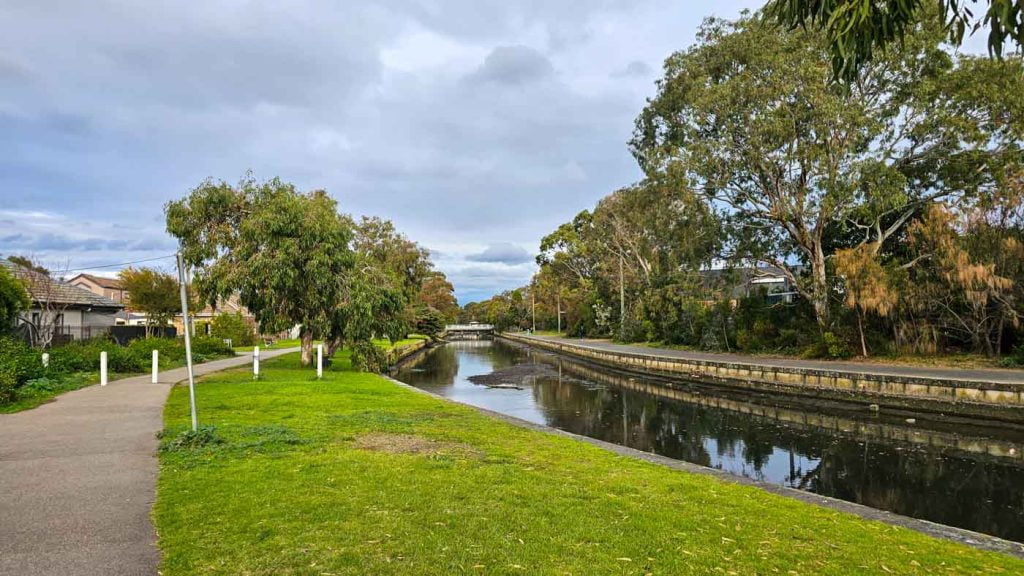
x: 1014, y: 359
x: 21, y: 362
x: 8, y: 384
x: 208, y: 346
x: 191, y: 440
x: 367, y: 357
x: 233, y: 326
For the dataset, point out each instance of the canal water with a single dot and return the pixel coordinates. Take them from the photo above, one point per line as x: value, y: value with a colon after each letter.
x: 953, y: 474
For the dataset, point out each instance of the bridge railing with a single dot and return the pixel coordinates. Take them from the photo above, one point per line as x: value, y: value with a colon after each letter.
x: 467, y: 327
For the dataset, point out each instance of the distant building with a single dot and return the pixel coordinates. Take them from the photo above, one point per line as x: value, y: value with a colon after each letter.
x: 202, y: 317
x: 742, y: 282
x: 108, y: 287
x: 60, y: 311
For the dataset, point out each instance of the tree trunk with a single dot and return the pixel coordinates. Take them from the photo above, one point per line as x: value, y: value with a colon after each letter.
x: 819, y: 292
x: 307, y: 346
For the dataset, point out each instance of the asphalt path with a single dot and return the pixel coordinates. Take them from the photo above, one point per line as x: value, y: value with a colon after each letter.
x: 78, y: 477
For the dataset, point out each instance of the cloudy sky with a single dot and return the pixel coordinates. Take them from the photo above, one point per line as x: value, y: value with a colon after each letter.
x: 477, y: 126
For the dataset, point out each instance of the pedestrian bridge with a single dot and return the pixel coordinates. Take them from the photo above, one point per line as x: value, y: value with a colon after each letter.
x: 471, y: 331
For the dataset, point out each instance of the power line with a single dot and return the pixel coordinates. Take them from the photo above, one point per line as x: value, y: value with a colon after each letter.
x: 121, y: 265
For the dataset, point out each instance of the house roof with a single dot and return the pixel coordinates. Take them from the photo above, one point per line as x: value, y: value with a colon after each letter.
x: 109, y: 283
x: 42, y: 287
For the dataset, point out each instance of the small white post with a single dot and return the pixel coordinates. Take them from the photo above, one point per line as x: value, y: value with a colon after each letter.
x: 103, y: 368
x: 156, y: 366
x: 256, y: 363
x: 319, y: 361
x: 46, y: 359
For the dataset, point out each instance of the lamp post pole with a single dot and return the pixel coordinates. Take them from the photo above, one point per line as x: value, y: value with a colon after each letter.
x: 188, y: 342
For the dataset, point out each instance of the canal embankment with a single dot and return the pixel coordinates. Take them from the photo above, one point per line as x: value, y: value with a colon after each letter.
x: 996, y: 395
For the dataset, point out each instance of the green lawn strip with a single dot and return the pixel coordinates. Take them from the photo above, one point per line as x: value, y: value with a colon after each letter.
x: 42, y: 390
x: 277, y: 345
x: 356, y: 475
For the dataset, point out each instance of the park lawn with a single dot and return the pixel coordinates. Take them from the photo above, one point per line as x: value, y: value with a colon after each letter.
x: 277, y: 345
x: 45, y: 390
x: 355, y: 474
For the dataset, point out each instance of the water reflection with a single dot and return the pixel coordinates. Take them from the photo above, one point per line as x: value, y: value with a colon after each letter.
x: 971, y: 478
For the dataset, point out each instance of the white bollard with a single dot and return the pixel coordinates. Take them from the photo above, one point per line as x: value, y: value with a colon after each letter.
x: 103, y: 368
x: 156, y: 366
x: 46, y: 359
x: 256, y: 363
x: 319, y: 361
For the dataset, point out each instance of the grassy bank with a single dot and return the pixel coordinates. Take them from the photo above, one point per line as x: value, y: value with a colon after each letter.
x: 356, y: 475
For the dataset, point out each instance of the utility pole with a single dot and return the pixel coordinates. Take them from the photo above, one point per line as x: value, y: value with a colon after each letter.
x: 533, y: 306
x: 188, y: 342
x: 622, y: 295
x: 559, y: 312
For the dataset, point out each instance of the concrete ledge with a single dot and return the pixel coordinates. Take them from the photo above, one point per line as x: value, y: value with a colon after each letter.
x: 1001, y: 401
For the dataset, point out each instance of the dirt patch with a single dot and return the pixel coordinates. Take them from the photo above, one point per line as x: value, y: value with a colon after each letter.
x: 411, y: 444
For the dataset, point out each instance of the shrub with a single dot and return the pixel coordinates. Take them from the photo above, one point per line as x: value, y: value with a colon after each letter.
x: 21, y: 361
x: 367, y: 357
x: 8, y: 384
x: 208, y: 346
x: 191, y: 440
x: 233, y: 326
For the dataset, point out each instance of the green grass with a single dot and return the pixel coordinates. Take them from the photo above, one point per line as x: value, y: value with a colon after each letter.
x: 43, y: 390
x: 277, y: 345
x: 340, y: 477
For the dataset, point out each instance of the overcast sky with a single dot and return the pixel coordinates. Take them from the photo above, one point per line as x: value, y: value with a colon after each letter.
x: 477, y: 126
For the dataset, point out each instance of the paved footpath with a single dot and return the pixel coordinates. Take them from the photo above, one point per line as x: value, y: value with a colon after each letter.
x: 78, y: 478
x: 972, y: 374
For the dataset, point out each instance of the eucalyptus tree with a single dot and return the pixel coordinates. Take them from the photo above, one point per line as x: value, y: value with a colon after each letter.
x: 749, y: 119
x: 856, y: 30
x: 286, y: 254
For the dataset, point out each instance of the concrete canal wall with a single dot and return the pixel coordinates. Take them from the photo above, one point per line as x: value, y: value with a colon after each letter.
x: 975, y: 399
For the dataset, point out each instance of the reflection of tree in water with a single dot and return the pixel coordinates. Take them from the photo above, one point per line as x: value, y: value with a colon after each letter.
x: 979, y: 494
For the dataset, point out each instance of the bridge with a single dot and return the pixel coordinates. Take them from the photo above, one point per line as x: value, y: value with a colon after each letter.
x: 471, y: 331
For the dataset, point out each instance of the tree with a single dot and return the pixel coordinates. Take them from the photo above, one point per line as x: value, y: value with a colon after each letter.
x: 29, y: 264
x: 154, y: 293
x: 855, y: 30
x: 14, y: 299
x: 749, y: 118
x: 286, y: 254
x: 48, y: 300
x: 234, y: 327
x: 438, y: 294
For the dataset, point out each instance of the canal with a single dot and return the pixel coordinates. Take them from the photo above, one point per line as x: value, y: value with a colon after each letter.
x: 914, y: 465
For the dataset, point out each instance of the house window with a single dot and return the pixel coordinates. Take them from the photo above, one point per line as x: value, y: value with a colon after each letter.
x: 35, y: 318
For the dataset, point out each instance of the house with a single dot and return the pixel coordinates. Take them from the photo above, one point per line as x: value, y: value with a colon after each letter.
x: 60, y: 311
x: 201, y: 318
x: 743, y: 282
x: 108, y: 287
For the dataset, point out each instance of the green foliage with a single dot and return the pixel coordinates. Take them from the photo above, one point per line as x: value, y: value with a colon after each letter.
x: 8, y: 384
x: 14, y: 299
x: 233, y: 326
x: 430, y: 322
x: 857, y: 30
x: 368, y: 357
x: 191, y: 440
x: 286, y: 254
x: 20, y: 360
x: 153, y: 292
